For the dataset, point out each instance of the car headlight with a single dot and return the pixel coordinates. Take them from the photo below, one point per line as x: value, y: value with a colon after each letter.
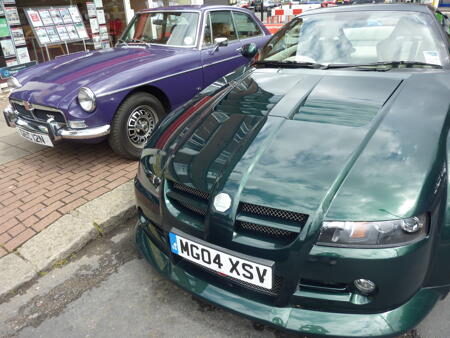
x: 13, y: 83
x: 86, y: 99
x: 374, y: 234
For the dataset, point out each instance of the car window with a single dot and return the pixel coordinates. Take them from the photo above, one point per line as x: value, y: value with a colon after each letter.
x: 168, y: 28
x: 444, y: 22
x: 356, y: 38
x: 246, y: 27
x: 219, y: 24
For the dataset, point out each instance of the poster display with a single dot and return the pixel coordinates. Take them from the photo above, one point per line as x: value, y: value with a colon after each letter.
x: 63, y: 34
x: 57, y: 25
x: 18, y: 36
x: 94, y: 25
x: 42, y: 36
x: 75, y: 14
x: 101, y: 16
x: 34, y: 18
x: 4, y: 28
x: 103, y: 32
x: 73, y: 35
x: 81, y: 30
x: 8, y: 48
x: 92, y: 12
x: 22, y: 55
x: 11, y: 62
x: 98, y: 3
x: 52, y: 34
x: 45, y: 17
x: 12, y: 16
x: 65, y: 15
x: 56, y: 16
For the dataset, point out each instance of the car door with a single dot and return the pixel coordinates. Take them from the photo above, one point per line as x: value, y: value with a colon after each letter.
x: 220, y: 61
x: 248, y: 30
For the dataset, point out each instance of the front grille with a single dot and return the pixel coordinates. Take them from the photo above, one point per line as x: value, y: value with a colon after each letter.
x: 276, y: 285
x: 188, y: 199
x: 22, y: 111
x: 191, y: 191
x: 265, y: 230
x: 190, y: 207
x: 322, y: 286
x: 39, y: 114
x: 44, y: 115
x: 272, y: 212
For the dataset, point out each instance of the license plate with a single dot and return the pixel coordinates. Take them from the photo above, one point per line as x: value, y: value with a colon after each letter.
x: 35, y: 137
x: 221, y: 262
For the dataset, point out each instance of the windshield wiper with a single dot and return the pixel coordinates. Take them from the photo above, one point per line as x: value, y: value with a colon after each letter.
x: 289, y: 64
x: 384, y: 65
x: 122, y: 41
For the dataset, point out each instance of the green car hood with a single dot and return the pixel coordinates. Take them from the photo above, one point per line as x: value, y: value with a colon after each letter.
x: 344, y: 144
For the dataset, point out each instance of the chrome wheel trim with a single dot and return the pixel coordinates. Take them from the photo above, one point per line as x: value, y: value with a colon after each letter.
x: 140, y: 124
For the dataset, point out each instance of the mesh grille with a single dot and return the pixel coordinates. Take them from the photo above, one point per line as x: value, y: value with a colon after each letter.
x: 271, y: 212
x: 191, y: 191
x: 191, y: 207
x: 276, y: 285
x: 269, y: 231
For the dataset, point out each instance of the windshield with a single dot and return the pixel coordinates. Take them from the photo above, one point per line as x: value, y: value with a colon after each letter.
x: 164, y: 28
x: 356, y: 38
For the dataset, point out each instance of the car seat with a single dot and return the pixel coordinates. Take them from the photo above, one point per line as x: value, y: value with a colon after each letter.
x: 407, y: 42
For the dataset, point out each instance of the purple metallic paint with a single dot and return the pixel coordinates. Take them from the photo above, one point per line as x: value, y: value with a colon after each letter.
x: 124, y: 69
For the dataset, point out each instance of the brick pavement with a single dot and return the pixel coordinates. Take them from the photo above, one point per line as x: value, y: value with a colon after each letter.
x: 37, y: 189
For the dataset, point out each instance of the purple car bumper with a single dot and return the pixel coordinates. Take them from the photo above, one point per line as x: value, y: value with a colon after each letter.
x: 56, y: 129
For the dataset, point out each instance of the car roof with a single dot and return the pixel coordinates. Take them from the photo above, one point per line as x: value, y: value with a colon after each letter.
x: 371, y: 7
x: 189, y: 8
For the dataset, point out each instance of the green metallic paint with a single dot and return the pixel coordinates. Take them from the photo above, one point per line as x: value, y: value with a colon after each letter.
x: 385, y: 324
x: 332, y: 144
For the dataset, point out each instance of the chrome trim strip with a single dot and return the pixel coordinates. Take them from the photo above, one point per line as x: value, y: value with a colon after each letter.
x: 147, y: 82
x: 84, y: 134
x: 223, y: 60
x: 37, y: 106
x: 58, y: 132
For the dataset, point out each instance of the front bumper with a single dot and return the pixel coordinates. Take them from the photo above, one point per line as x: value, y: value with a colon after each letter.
x: 55, y: 130
x: 389, y: 323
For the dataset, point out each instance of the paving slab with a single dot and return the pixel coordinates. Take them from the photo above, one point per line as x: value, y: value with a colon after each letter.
x: 71, y: 232
x: 14, y: 271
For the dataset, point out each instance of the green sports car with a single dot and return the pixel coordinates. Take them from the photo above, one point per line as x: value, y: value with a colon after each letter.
x: 309, y: 191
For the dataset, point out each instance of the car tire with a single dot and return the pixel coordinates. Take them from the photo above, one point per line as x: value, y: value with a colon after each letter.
x: 133, y: 123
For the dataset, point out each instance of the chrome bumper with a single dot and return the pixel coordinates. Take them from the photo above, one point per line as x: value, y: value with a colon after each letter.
x: 55, y: 130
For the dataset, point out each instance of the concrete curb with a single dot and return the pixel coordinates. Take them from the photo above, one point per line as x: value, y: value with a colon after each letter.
x: 65, y: 236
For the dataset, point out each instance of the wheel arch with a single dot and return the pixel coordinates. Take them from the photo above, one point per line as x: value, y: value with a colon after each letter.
x: 156, y: 92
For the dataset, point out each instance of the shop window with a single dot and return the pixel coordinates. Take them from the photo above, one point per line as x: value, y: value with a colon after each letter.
x: 246, y: 27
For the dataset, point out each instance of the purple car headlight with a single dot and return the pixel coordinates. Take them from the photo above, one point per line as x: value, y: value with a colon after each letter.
x: 86, y: 99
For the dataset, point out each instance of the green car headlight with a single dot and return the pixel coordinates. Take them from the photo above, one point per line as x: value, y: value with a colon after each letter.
x: 86, y: 98
x: 374, y: 234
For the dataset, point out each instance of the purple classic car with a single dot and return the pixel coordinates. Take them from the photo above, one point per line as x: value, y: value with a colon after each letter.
x: 164, y: 58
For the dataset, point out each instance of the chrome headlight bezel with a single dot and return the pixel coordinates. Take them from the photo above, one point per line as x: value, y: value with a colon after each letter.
x: 87, y: 99
x: 375, y: 234
x: 13, y: 83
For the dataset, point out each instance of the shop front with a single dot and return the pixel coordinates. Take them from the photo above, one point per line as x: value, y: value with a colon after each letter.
x: 40, y: 30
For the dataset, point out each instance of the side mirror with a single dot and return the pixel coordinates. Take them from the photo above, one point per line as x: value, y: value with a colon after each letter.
x: 249, y: 50
x: 219, y: 42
